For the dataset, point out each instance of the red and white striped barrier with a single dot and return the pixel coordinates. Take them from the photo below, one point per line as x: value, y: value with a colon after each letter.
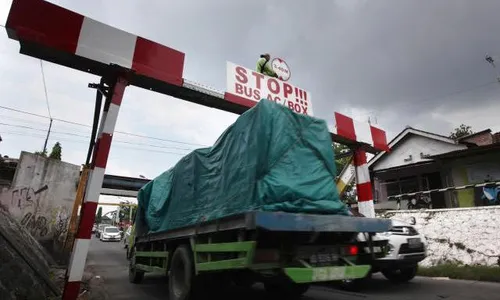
x: 96, y: 177
x: 57, y: 28
x: 363, y: 184
x: 360, y: 132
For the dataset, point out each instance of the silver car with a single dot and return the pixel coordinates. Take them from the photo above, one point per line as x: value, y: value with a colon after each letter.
x: 110, y: 233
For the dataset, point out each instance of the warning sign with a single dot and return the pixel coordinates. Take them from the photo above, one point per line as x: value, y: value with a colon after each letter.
x: 248, y: 84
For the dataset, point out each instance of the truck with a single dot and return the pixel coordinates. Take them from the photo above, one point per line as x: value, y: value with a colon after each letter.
x: 259, y: 206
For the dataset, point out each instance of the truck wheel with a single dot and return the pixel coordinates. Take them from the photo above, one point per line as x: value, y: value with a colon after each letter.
x: 181, y: 281
x: 134, y: 275
x: 401, y: 275
x: 286, y: 290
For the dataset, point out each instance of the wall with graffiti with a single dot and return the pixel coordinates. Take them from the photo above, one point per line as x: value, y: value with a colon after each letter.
x: 41, y: 198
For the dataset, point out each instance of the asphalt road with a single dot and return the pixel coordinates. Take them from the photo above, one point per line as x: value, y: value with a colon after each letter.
x: 107, y: 260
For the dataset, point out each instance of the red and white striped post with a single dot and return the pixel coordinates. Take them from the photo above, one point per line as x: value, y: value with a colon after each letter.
x: 363, y: 184
x: 81, y: 244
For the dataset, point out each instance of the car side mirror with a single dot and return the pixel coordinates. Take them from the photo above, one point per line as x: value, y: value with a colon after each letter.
x: 413, y: 221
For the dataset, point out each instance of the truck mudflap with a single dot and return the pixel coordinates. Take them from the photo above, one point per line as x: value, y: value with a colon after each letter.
x: 321, y: 274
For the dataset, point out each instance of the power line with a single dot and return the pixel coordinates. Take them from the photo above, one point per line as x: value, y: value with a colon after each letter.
x: 23, y: 112
x: 80, y: 141
x: 86, y: 136
x: 116, y: 131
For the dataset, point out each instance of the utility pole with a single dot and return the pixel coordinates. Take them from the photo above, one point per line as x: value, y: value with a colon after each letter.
x: 47, y: 138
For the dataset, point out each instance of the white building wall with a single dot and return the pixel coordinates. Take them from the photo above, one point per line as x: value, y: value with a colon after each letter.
x: 414, y: 145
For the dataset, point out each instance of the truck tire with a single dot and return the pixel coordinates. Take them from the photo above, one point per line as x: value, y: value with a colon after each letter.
x: 401, y: 275
x: 134, y: 276
x: 181, y: 281
x: 286, y: 290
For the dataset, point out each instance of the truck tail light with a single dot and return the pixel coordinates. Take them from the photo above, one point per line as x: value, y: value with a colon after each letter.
x: 351, y: 250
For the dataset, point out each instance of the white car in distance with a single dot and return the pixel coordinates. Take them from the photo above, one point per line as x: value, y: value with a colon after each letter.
x: 110, y: 233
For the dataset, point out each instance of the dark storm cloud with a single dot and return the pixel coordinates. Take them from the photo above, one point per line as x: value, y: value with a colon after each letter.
x: 399, y: 60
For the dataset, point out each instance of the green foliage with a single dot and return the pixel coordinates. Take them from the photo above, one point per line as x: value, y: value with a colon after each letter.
x: 461, y: 131
x: 41, y: 153
x: 56, y: 151
x: 124, y: 214
x: 340, y: 163
x: 98, y: 218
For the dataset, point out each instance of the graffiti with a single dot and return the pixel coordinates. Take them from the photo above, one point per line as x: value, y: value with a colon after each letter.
x: 61, y: 221
x: 27, y: 197
x: 36, y: 225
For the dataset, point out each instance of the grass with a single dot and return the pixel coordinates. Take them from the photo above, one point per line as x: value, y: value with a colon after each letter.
x: 479, y: 273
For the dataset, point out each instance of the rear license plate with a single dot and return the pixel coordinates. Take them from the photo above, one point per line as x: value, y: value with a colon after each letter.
x: 414, y: 243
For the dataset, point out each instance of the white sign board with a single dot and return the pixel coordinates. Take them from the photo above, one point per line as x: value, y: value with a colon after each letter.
x: 280, y: 67
x: 251, y: 85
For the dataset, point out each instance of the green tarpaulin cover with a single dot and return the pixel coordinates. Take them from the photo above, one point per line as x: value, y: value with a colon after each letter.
x: 270, y: 159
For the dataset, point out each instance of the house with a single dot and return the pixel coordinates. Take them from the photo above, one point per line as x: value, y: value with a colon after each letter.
x: 421, y: 160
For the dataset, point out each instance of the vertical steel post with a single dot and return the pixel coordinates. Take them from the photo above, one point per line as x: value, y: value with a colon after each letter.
x: 81, y: 245
x: 80, y: 193
x: 363, y: 184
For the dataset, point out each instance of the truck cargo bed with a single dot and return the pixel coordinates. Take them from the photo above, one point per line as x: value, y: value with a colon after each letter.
x: 276, y: 221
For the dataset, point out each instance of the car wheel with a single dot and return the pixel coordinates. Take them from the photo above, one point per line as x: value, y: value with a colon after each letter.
x: 401, y: 275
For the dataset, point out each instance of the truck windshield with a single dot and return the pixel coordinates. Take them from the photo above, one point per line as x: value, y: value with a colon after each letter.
x: 111, y: 229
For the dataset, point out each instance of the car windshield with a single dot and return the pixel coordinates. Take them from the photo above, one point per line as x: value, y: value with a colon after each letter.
x: 111, y: 229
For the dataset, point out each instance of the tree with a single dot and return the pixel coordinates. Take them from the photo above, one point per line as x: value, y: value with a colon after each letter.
x: 461, y: 131
x: 56, y: 151
x: 41, y: 153
x: 124, y: 212
x: 98, y: 218
x: 340, y: 163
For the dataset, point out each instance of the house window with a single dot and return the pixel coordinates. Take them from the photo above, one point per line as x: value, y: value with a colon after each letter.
x: 409, y: 185
x: 393, y: 188
x: 402, y: 186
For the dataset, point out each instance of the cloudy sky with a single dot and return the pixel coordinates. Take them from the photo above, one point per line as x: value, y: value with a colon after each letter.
x: 417, y: 63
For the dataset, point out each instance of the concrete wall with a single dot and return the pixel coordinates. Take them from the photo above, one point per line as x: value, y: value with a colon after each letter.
x: 41, y: 198
x: 24, y: 264
x: 469, y: 236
